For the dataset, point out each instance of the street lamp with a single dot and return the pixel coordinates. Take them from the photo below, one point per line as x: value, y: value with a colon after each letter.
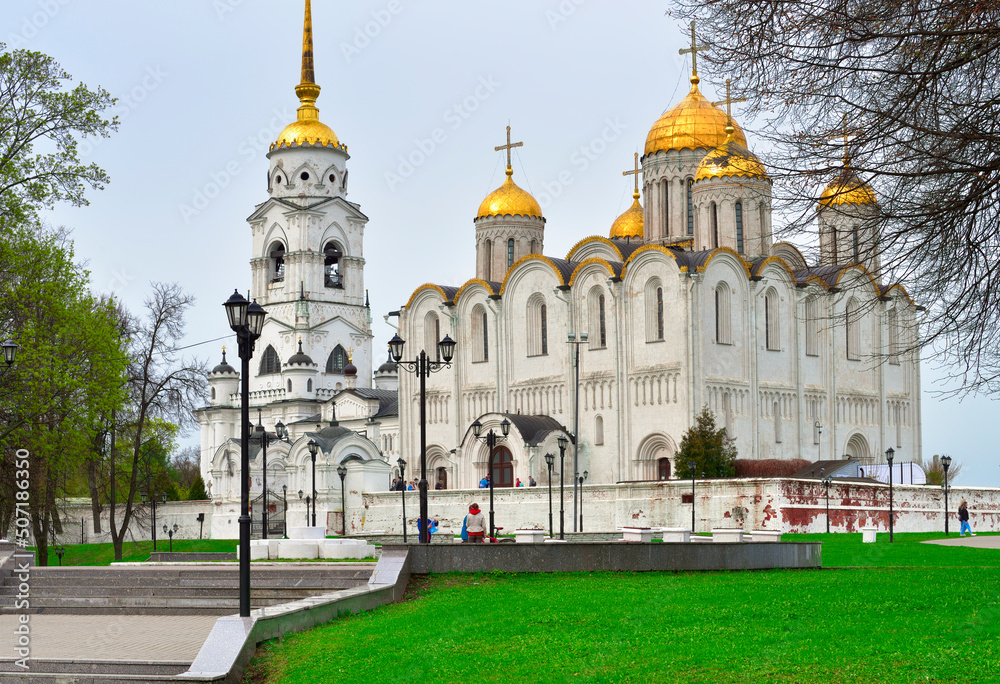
x: 549, y: 459
x: 402, y: 490
x: 819, y: 439
x: 10, y: 348
x: 691, y: 465
x: 826, y: 483
x: 169, y: 531
x: 576, y: 415
x: 60, y: 551
x: 422, y: 366
x: 889, y: 453
x: 264, y: 437
x: 152, y: 502
x: 563, y: 443
x: 313, y: 450
x: 246, y: 319
x: 491, y: 439
x: 946, y: 463
x: 582, y: 479
x: 342, y: 471
x: 284, y: 501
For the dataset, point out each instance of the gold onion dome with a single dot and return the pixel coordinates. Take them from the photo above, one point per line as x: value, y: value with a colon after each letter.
x: 847, y: 189
x: 693, y: 123
x: 307, y: 129
x: 509, y: 200
x: 629, y: 224
x: 730, y: 159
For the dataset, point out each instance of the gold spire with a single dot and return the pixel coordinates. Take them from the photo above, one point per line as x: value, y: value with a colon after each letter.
x: 729, y: 102
x: 630, y: 224
x: 694, y: 50
x: 308, y: 129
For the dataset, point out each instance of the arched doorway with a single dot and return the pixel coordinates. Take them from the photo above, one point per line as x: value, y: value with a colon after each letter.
x: 441, y: 479
x: 663, y: 469
x: 857, y: 448
x: 503, y: 467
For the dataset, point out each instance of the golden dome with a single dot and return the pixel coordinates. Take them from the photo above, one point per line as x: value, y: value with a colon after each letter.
x: 307, y: 132
x: 730, y: 159
x: 629, y: 224
x: 693, y: 123
x: 510, y: 200
x: 847, y: 189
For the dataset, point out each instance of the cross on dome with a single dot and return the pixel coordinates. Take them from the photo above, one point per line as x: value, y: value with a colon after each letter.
x: 846, y: 135
x: 509, y: 146
x: 634, y: 172
x: 729, y: 101
x: 694, y: 50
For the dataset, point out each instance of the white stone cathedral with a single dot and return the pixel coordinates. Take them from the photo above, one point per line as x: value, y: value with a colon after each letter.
x: 312, y: 368
x: 687, y: 304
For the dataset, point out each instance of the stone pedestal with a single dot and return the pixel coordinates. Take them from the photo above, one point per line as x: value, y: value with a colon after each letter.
x: 868, y: 535
x: 307, y: 532
x: 676, y: 534
x: 529, y: 536
x: 637, y: 534
x: 727, y: 535
x: 765, y: 536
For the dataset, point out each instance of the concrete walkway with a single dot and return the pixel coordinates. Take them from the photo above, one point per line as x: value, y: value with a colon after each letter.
x: 148, y: 638
x: 991, y: 541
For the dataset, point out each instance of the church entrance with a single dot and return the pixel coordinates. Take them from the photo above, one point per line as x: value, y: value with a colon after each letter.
x: 503, y: 467
x: 441, y: 482
x: 275, y: 515
x: 663, y: 469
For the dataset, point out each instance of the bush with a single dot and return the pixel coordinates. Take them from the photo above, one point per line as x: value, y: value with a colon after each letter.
x: 769, y: 467
x: 197, y: 491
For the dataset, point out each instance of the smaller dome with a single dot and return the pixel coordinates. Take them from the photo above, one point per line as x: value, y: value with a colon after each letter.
x: 629, y: 224
x: 847, y: 189
x: 309, y: 132
x: 350, y: 369
x: 730, y: 159
x: 509, y: 200
x: 223, y: 367
x: 389, y: 366
x: 300, y: 357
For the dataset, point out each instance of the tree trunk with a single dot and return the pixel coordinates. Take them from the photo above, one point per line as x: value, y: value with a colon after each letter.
x: 95, y: 496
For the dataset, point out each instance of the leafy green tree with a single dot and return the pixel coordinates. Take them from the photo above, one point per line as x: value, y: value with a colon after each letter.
x: 712, y: 451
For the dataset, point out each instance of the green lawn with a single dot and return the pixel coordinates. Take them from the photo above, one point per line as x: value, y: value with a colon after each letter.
x: 103, y: 554
x: 901, y: 613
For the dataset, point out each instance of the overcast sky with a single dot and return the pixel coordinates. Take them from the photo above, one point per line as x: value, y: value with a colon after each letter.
x: 420, y: 92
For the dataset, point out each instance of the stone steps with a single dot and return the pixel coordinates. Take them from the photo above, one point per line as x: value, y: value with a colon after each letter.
x: 87, y: 668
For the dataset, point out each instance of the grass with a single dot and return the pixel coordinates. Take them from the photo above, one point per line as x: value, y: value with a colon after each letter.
x: 104, y: 554
x: 906, y: 612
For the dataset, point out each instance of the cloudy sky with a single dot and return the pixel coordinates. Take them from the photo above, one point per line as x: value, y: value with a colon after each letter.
x: 420, y: 92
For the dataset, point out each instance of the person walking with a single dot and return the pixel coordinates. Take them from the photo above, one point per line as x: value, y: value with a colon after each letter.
x: 475, y: 524
x: 963, y: 515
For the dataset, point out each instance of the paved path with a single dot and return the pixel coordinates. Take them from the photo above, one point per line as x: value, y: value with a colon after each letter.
x: 147, y: 638
x: 991, y: 541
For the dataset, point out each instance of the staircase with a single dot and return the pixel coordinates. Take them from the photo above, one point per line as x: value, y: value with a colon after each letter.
x: 177, y: 589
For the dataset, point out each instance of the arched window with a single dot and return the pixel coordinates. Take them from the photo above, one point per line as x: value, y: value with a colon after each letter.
x: 739, y: 227
x: 503, y: 467
x: 665, y: 203
x: 598, y: 329
x: 537, y: 326
x: 812, y: 326
x: 653, y: 296
x: 269, y: 362
x: 431, y: 329
x: 715, y: 225
x: 289, y: 386
x: 510, y: 252
x: 213, y: 394
x: 488, y: 259
x: 723, y: 315
x: 437, y: 338
x: 690, y: 206
x: 777, y: 422
x: 599, y: 430
x: 480, y: 336
x: 332, y: 256
x: 772, y: 322
x: 534, y: 246
x: 309, y: 385
x: 853, y: 326
x: 857, y: 245
x: 893, y: 333
x: 337, y: 360
x: 277, y: 262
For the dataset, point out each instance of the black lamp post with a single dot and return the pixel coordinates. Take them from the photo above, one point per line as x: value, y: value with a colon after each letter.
x: 313, y: 450
x: 262, y: 436
x: 576, y: 416
x: 342, y: 471
x: 563, y: 443
x: 889, y: 453
x: 826, y: 483
x: 60, y: 551
x: 169, y: 531
x: 402, y: 490
x: 549, y: 459
x: 152, y: 502
x: 307, y: 506
x: 691, y: 465
x: 491, y: 439
x: 284, y: 500
x: 946, y: 463
x: 246, y: 319
x: 582, y: 479
x: 423, y: 367
x: 10, y: 348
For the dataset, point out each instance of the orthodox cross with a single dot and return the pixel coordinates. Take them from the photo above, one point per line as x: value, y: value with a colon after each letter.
x: 634, y: 172
x: 846, y: 135
x: 694, y: 50
x: 729, y: 101
x: 508, y: 146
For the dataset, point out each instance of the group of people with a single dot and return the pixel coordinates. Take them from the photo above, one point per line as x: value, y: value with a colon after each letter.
x: 485, y: 482
x: 399, y: 485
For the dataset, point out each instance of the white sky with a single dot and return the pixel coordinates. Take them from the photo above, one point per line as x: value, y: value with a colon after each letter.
x: 206, y: 85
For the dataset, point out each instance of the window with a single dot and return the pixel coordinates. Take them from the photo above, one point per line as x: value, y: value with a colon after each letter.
x: 739, y: 227
x: 480, y: 338
x: 510, y: 252
x: 599, y: 430
x: 772, y: 329
x: 503, y: 467
x: 777, y: 423
x: 488, y: 260
x: 309, y: 385
x: 715, y: 225
x: 277, y: 258
x: 213, y: 394
x: 337, y: 361
x: 665, y: 203
x: 534, y: 246
x: 437, y: 338
x: 723, y: 315
x: 289, y: 386
x: 598, y: 329
x: 893, y: 333
x: 332, y: 255
x: 857, y: 245
x: 663, y: 470
x: 812, y: 326
x: 604, y: 329
x: 852, y: 325
x: 537, y: 326
x: 653, y: 300
x: 269, y: 362
x: 544, y: 330
x: 431, y: 329
x: 690, y: 205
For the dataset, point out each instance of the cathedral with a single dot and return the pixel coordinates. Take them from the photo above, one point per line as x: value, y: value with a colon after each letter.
x: 682, y: 303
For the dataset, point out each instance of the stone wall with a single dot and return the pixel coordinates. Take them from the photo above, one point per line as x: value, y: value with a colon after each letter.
x: 182, y: 513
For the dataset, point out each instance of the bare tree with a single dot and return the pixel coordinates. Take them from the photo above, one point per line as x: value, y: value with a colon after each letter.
x: 914, y: 90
